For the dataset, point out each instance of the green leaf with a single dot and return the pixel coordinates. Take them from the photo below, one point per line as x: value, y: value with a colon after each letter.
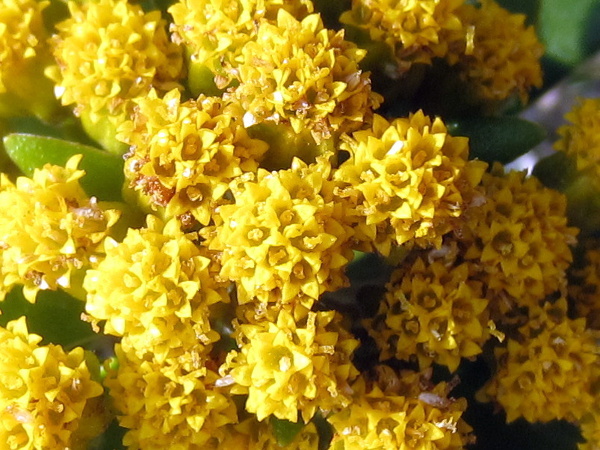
x: 556, y: 171
x: 285, y: 431
x: 56, y: 316
x: 104, y: 177
x: 499, y: 139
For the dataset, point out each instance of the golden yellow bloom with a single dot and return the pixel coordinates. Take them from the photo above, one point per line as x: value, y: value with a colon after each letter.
x: 215, y: 31
x: 415, y: 31
x: 284, y: 239
x: 432, y: 311
x: 409, y: 174
x: 547, y: 373
x: 292, y: 367
x: 183, y: 155
x: 580, y: 138
x: 176, y: 403
x: 302, y: 73
x: 21, y: 33
x: 584, y: 289
x: 155, y: 288
x: 110, y: 52
x: 502, y: 56
x: 520, y: 240
x: 52, y: 232
x: 379, y: 418
x: 44, y: 392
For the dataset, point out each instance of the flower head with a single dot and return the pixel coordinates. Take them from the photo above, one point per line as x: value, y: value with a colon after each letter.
x: 434, y: 311
x: 284, y: 239
x: 293, y: 366
x: 415, y: 31
x: 302, y: 73
x: 584, y: 289
x: 580, y: 138
x: 156, y: 288
x: 53, y: 230
x: 546, y: 374
x: 416, y: 418
x: 176, y: 403
x: 184, y: 154
x: 502, y: 56
x: 22, y: 33
x: 44, y: 392
x: 110, y: 52
x: 410, y: 175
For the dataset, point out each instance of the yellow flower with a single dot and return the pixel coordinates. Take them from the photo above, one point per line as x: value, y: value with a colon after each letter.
x: 155, y: 288
x: 520, y: 240
x: 215, y: 31
x: 432, y: 311
x: 23, y: 57
x: 176, y: 403
x: 302, y: 73
x: 108, y: 53
x: 580, y: 138
x: 415, y: 31
x: 284, y: 239
x: 21, y: 33
x: 379, y: 418
x: 184, y: 154
x: 590, y: 421
x: 502, y: 56
x: 584, y: 289
x: 44, y: 393
x: 292, y: 366
x: 546, y: 374
x: 54, y: 231
x: 409, y: 174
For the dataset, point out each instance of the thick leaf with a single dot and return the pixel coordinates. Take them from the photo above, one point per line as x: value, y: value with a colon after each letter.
x: 285, y: 431
x: 499, y: 139
x: 104, y: 171
x: 556, y: 171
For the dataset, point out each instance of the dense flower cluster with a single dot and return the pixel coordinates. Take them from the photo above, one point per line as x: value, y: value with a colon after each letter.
x: 413, y: 414
x: 409, y: 175
x: 53, y: 233
x: 293, y: 366
x: 108, y: 53
x: 435, y: 312
x: 44, y: 392
x: 184, y: 154
x: 255, y: 145
x: 579, y: 138
x: 546, y: 374
x: 21, y: 34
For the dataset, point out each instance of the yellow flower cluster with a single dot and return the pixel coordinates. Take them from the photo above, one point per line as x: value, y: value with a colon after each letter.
x: 410, y: 175
x: 546, y: 374
x: 433, y: 311
x: 155, y: 288
x: 292, y: 365
x: 21, y: 34
x: 215, y: 31
x: 505, y: 53
x: 580, y: 138
x: 519, y: 241
x: 414, y: 414
x: 44, y: 393
x: 415, y: 31
x: 176, y: 403
x: 584, y: 289
x: 109, y: 52
x: 284, y: 240
x: 304, y: 73
x: 53, y: 233
x: 184, y: 154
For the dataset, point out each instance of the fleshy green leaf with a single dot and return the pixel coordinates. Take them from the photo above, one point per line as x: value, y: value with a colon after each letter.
x: 499, y: 139
x: 104, y: 171
x: 285, y: 431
